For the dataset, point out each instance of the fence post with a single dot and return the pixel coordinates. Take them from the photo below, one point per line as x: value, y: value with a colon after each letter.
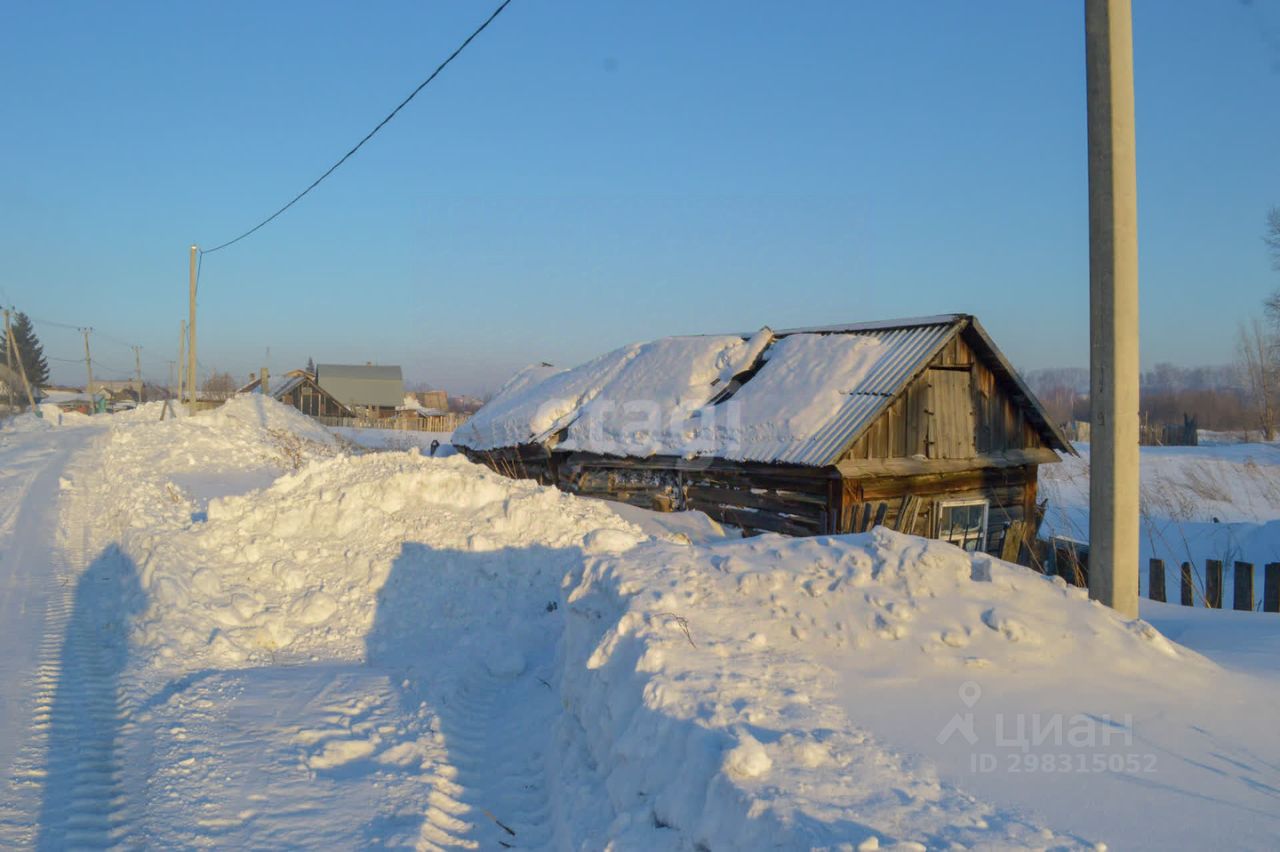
x: 1155, y: 580
x: 1213, y: 583
x: 1188, y: 596
x: 1271, y: 588
x: 1242, y: 580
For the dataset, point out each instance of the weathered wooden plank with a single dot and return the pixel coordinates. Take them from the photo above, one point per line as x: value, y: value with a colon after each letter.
x: 1242, y: 586
x: 747, y: 498
x: 1213, y: 583
x: 872, y: 468
x: 1012, y: 541
x: 1155, y: 580
x: 766, y: 521
x: 1271, y: 587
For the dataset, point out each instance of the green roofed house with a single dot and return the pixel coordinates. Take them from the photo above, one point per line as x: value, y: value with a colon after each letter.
x: 369, y: 390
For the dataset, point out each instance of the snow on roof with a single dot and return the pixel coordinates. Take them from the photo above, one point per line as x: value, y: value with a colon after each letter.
x: 805, y: 395
x: 279, y: 386
x: 539, y: 401
x: 806, y: 381
x: 651, y: 405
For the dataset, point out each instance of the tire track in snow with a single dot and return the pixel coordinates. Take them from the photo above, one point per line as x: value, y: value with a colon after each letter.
x: 64, y: 788
x: 27, y: 776
x: 493, y: 791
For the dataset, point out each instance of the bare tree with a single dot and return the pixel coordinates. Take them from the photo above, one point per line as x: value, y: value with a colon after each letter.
x: 219, y: 382
x: 1272, y: 236
x: 1260, y: 372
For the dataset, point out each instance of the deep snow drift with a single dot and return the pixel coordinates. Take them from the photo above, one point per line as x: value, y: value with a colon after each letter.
x: 269, y: 641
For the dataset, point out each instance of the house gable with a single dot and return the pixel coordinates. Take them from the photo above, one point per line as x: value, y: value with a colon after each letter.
x: 965, y: 404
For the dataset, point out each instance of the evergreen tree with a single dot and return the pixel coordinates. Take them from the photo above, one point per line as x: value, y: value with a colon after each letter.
x: 24, y: 335
x: 311, y: 366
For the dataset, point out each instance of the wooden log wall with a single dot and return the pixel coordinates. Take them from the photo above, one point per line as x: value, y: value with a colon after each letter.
x: 1010, y: 492
x: 758, y: 498
x: 764, y: 498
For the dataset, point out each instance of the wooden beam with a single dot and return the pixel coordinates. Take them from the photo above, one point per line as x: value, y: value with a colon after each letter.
x: 872, y: 468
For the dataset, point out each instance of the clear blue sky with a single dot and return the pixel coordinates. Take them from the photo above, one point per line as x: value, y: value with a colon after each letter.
x: 594, y: 172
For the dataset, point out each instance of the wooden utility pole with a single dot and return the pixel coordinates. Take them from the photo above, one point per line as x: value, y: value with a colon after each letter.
x: 264, y: 384
x: 22, y: 368
x: 137, y: 371
x: 88, y: 367
x: 182, y: 358
x: 1113, y: 306
x: 191, y: 329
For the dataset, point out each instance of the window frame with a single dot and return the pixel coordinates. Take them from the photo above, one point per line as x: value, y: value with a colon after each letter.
x: 943, y: 505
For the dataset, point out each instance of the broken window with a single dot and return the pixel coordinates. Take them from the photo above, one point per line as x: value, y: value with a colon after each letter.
x: 964, y: 524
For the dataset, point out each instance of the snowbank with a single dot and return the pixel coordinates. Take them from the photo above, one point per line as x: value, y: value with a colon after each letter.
x: 51, y: 417
x: 710, y: 684
x: 295, y: 571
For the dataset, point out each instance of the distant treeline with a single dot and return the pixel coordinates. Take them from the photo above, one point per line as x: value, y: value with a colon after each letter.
x: 1214, y: 396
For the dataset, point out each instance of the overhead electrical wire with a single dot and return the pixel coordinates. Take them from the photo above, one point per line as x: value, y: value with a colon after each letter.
x: 367, y: 137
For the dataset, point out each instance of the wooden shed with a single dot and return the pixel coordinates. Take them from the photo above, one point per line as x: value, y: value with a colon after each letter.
x: 921, y: 425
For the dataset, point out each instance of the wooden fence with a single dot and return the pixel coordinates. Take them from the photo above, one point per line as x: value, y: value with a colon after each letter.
x: 1070, y: 560
x: 1212, y: 595
x: 430, y: 423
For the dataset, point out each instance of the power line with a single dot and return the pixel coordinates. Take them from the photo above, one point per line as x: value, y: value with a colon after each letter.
x: 367, y: 137
x: 52, y: 323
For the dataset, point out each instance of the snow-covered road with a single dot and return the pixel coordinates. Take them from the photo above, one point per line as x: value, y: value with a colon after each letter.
x: 39, y: 658
x: 355, y: 748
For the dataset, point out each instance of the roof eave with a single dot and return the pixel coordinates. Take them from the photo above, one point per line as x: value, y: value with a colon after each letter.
x: 957, y: 323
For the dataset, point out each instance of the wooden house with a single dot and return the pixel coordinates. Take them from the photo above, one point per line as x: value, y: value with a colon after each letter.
x: 921, y: 425
x: 299, y: 389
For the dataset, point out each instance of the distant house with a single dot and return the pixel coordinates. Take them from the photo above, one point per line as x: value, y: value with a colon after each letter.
x: 370, y: 391
x: 920, y: 425
x: 299, y: 389
x: 435, y: 400
x: 413, y: 413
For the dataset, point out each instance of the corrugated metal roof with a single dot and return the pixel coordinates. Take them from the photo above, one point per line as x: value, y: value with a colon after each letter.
x: 352, y: 384
x: 907, y: 351
x: 359, y: 371
x: 902, y: 349
x: 878, y: 325
x: 285, y: 384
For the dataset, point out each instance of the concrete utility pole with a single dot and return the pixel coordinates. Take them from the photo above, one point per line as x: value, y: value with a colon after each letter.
x: 1113, y: 306
x: 182, y: 358
x: 88, y: 367
x: 191, y: 329
x: 8, y: 360
x: 137, y: 370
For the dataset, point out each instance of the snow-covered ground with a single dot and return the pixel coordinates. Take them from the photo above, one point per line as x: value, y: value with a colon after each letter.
x: 228, y: 630
x: 1216, y: 501
x: 395, y: 439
